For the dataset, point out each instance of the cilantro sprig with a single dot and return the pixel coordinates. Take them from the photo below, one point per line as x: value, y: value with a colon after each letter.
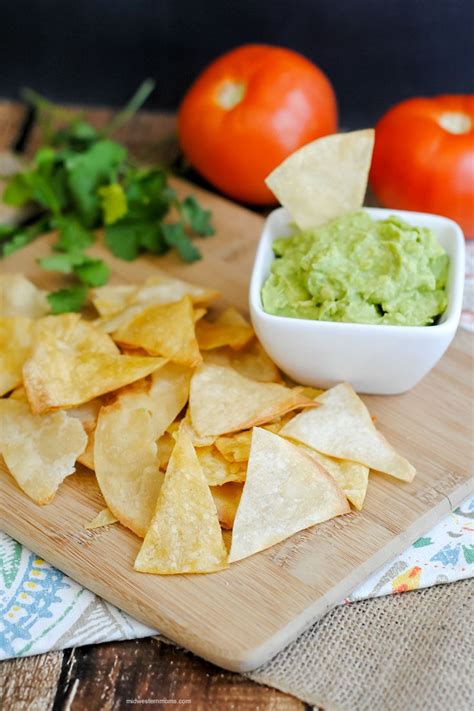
x: 81, y: 180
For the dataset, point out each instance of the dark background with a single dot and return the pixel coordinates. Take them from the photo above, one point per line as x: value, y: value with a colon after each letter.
x: 376, y: 52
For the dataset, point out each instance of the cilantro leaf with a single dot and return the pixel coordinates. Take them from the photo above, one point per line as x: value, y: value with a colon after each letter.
x: 17, y: 191
x: 93, y: 272
x: 7, y: 231
x: 79, y: 135
x: 65, y: 300
x: 176, y: 237
x: 194, y: 216
x: 148, y: 196
x: 122, y: 239
x: 113, y: 202
x: 64, y: 262
x: 87, y: 171
x: 72, y: 234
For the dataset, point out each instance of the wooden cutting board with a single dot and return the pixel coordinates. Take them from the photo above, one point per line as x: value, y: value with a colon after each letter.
x: 241, y: 617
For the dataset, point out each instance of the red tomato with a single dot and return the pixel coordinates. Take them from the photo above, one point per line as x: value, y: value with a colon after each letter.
x: 424, y: 158
x: 248, y: 111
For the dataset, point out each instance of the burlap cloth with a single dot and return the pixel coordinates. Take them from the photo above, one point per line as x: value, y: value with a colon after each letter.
x: 408, y: 651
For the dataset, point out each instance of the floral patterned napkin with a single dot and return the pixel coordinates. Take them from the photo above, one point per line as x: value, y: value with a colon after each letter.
x: 42, y: 610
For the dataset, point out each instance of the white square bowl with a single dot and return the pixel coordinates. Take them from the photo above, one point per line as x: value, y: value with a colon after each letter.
x: 375, y: 359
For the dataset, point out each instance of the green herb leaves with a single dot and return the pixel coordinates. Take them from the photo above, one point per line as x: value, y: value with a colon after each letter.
x: 82, y: 180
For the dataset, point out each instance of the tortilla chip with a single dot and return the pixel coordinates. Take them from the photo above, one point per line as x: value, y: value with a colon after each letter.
x: 39, y: 450
x: 226, y: 499
x: 126, y: 463
x: 218, y: 470
x: 169, y: 393
x: 112, y: 299
x: 308, y: 391
x: 19, y: 297
x: 56, y: 375
x: 284, y: 492
x: 87, y: 457
x: 19, y: 394
x: 252, y: 362
x: 166, y: 330
x: 229, y: 329
x: 103, y: 518
x: 76, y: 333
x: 342, y: 428
x: 324, y: 179
x: 351, y: 477
x: 165, y: 446
x: 88, y: 414
x: 16, y: 340
x: 184, y: 535
x: 235, y: 447
x: 276, y: 425
x: 222, y: 401
x: 196, y: 439
x: 160, y: 289
x: 198, y: 314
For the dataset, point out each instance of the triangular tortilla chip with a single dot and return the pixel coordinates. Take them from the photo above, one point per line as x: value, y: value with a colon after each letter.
x: 229, y: 329
x: 342, y: 428
x: 351, y: 477
x: 284, y: 492
x: 221, y: 401
x: 19, y: 297
x: 324, y: 179
x: 126, y: 462
x: 16, y: 341
x: 184, y: 535
x: 112, y: 298
x: 226, y: 499
x: 118, y: 307
x: 165, y: 330
x: 78, y: 334
x: 251, y: 361
x: 58, y: 376
x: 39, y: 450
x: 103, y: 518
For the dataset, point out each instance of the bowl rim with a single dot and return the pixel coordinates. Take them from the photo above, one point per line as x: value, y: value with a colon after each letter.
x: 455, y: 285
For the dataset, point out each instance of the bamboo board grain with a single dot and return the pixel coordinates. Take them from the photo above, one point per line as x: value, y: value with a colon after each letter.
x: 241, y: 617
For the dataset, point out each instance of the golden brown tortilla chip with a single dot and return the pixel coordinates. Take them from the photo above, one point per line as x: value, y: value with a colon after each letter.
x: 56, y: 375
x: 226, y: 499
x: 229, y: 329
x: 184, y: 535
x: 16, y: 341
x: 164, y: 330
x: 222, y: 401
x: 126, y: 462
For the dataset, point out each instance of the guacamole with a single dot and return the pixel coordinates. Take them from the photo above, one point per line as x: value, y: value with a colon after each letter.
x: 359, y: 270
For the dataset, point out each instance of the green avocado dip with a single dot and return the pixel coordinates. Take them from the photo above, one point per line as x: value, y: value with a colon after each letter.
x: 359, y: 270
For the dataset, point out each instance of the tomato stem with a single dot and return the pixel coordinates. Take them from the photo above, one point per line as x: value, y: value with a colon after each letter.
x: 456, y: 122
x: 230, y: 93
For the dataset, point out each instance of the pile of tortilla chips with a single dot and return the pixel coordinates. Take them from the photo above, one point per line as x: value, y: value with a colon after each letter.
x: 186, y: 422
